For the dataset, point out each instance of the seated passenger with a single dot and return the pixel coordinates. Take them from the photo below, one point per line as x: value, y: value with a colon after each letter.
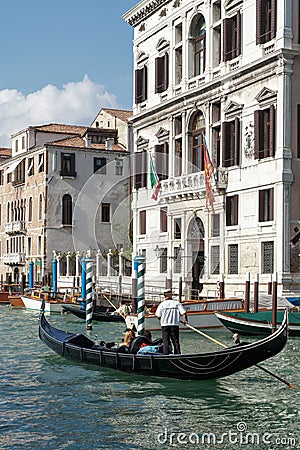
x: 129, y: 336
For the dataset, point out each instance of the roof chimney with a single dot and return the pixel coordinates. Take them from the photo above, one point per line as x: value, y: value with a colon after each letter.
x: 88, y: 140
x: 109, y: 144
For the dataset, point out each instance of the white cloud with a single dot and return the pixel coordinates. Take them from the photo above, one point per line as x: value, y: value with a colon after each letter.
x: 76, y: 103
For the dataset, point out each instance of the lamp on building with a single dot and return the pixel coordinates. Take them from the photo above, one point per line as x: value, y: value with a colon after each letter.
x: 158, y: 252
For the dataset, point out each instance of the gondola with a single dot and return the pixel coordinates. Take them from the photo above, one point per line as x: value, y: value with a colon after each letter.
x: 259, y: 323
x: 200, y: 366
x: 99, y: 316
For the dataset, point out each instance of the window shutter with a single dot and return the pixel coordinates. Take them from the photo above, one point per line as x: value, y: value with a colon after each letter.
x: 235, y: 209
x: 273, y: 19
x: 166, y: 71
x: 228, y: 211
x: 144, y: 168
x: 238, y: 33
x: 157, y: 74
x: 72, y: 163
x: 272, y: 130
x: 224, y: 138
x: 272, y: 204
x: 137, y: 84
x: 226, y: 24
x: 236, y: 141
x: 137, y: 170
x: 261, y: 196
x: 258, y: 22
x: 144, y: 84
x: 256, y: 134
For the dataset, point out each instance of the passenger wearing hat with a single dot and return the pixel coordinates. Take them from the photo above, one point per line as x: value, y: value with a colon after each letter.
x: 169, y: 312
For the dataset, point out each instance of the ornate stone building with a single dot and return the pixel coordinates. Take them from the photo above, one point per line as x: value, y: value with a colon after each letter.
x: 222, y: 77
x: 64, y: 190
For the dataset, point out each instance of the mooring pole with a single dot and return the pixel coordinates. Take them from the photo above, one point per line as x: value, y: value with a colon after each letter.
x: 54, y: 277
x: 247, y: 293
x: 139, y: 261
x: 134, y: 285
x: 31, y: 275
x: 88, y: 293
x: 256, y: 282
x: 221, y: 287
x: 83, y: 283
x: 274, y: 303
x: 270, y: 286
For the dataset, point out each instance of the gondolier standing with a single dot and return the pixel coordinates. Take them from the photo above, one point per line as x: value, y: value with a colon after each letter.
x: 169, y: 312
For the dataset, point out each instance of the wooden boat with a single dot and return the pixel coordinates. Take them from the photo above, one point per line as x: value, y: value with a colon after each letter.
x: 200, y: 314
x: 16, y: 301
x: 260, y: 323
x: 200, y: 366
x: 6, y: 291
x: 33, y: 301
x: 99, y: 315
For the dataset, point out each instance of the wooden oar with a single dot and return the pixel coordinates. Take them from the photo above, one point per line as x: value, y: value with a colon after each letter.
x: 111, y: 303
x: 292, y: 386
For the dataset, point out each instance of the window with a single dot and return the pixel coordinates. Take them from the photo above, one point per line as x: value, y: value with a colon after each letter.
x: 162, y: 160
x: 41, y: 163
x: 233, y: 259
x: 40, y: 206
x: 16, y: 145
x: 141, y: 85
x: 215, y: 225
x: 163, y: 220
x: 30, y: 169
x: 1, y: 177
x: 0, y: 214
x: 119, y: 167
x: 177, y: 228
x: 29, y: 245
x: 268, y: 257
x: 30, y: 209
x: 266, y: 205
x: 264, y: 130
x: 23, y: 142
x: 178, y: 157
x: 215, y: 259
x: 140, y: 169
x: 163, y: 261
x: 9, y: 178
x: 178, y: 65
x: 67, y: 210
x: 39, y: 245
x: 265, y: 20
x: 196, y: 160
x: 100, y: 165
x: 105, y: 212
x: 232, y: 210
x: 231, y: 143
x: 199, y: 35
x: 231, y: 37
x: 19, y: 172
x: 67, y: 165
x: 161, y: 73
x: 178, y: 260
x: 143, y: 222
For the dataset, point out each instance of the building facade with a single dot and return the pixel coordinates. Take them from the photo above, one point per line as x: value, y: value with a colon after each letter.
x: 219, y: 77
x: 63, y: 192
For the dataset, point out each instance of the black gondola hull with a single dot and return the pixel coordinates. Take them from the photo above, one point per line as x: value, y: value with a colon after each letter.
x: 201, y: 366
x: 98, y: 316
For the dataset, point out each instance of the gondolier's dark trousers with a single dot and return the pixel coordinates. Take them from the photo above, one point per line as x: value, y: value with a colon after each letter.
x: 170, y: 332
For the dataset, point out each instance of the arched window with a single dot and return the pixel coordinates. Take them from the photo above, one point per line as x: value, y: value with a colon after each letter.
x: 197, y: 129
x: 198, y: 42
x: 67, y: 209
x: 40, y: 206
x: 30, y: 209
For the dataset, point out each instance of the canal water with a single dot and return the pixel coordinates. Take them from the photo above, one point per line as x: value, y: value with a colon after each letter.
x: 48, y: 402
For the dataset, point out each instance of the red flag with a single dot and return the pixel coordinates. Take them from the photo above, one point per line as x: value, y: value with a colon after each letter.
x: 208, y: 171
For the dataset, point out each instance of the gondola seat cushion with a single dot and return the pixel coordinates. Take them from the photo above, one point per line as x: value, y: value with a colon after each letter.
x: 150, y: 350
x: 137, y: 342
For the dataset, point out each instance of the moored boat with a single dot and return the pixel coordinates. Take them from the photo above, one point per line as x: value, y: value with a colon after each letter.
x: 200, y: 366
x: 33, y: 301
x: 99, y: 315
x: 16, y: 301
x: 259, y: 323
x: 200, y: 314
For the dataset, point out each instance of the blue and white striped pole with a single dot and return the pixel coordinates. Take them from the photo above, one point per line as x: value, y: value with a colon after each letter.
x: 139, y: 266
x: 89, y: 299
x: 54, y: 276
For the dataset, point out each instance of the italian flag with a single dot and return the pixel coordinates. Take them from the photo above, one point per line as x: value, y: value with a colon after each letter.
x: 155, y: 183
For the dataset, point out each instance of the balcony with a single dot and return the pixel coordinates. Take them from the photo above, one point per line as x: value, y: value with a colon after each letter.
x: 185, y: 185
x: 17, y: 227
x: 14, y: 259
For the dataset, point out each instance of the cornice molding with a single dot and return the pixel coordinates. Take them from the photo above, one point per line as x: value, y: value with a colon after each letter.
x: 146, y: 11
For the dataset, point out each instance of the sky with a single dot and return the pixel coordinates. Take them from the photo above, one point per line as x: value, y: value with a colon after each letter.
x: 62, y: 61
